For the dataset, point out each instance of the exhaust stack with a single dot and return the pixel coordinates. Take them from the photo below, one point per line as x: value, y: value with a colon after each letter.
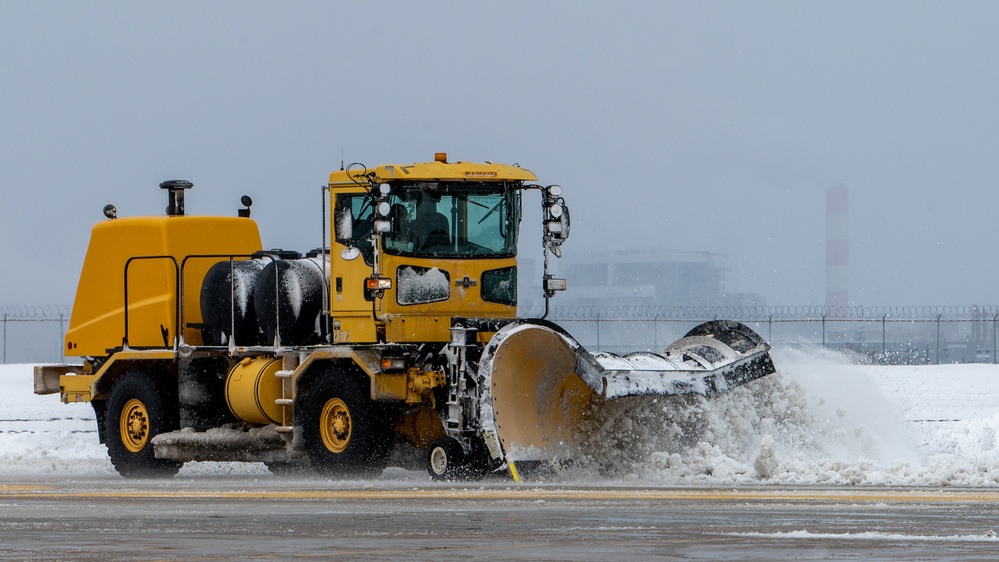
x: 175, y: 205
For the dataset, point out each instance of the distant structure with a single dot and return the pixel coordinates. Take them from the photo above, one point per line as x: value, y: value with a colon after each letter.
x: 837, y: 246
x: 650, y: 278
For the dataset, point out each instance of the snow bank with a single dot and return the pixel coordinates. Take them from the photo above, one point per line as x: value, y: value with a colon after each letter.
x: 40, y: 435
x: 821, y: 420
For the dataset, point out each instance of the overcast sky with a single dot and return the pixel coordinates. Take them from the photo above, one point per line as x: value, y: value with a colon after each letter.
x: 687, y: 126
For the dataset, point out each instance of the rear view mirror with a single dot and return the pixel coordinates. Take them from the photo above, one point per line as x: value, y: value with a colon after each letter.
x: 350, y: 253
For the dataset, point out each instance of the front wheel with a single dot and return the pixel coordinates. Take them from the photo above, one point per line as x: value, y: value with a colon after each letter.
x: 344, y: 433
x: 138, y: 410
x: 445, y: 459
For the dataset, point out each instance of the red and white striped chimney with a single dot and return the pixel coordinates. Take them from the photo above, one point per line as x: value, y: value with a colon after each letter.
x: 837, y: 246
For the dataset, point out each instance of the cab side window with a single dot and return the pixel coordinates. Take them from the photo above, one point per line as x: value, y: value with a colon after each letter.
x: 362, y: 216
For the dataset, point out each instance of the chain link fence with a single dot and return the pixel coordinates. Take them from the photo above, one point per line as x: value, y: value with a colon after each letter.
x: 881, y: 334
x: 33, y: 333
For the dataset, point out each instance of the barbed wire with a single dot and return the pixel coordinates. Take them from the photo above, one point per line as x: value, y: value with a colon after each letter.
x: 767, y: 313
x: 34, y: 312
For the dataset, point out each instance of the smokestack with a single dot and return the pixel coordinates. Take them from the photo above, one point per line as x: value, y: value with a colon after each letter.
x: 837, y: 246
x: 175, y: 205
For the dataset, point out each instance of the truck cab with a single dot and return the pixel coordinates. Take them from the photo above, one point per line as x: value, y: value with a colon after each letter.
x: 420, y: 245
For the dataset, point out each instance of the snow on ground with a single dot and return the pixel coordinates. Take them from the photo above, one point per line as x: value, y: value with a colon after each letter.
x: 821, y: 420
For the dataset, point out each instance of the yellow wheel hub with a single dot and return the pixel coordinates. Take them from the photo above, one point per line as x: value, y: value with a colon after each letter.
x: 134, y: 425
x: 334, y: 423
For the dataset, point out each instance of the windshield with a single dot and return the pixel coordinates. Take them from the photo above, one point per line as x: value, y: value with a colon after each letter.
x: 453, y: 221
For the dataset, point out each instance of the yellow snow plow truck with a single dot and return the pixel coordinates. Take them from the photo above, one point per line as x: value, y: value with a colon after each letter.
x: 197, y: 344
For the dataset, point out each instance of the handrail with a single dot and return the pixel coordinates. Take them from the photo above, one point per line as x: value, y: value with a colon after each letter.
x: 176, y: 267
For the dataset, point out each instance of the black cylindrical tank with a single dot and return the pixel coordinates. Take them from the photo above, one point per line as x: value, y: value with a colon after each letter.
x: 227, y: 302
x: 288, y: 298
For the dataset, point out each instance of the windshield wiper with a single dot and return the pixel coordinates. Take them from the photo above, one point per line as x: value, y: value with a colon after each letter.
x: 491, y: 211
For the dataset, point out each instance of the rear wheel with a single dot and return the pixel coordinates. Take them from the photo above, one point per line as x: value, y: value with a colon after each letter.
x: 344, y: 433
x: 138, y: 410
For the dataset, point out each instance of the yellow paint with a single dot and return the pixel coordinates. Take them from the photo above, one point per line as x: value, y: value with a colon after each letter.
x: 355, y: 329
x: 429, y: 322
x: 77, y: 388
x: 348, y: 305
x: 420, y: 427
x: 4, y: 488
x: 82, y: 387
x: 98, y: 320
x: 336, y: 425
x: 252, y: 388
x: 133, y: 425
x: 390, y: 386
x: 435, y: 171
x: 420, y: 383
x: 513, y: 471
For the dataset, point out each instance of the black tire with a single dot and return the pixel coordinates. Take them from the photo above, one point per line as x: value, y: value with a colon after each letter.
x: 138, y: 409
x: 446, y: 460
x: 345, y: 433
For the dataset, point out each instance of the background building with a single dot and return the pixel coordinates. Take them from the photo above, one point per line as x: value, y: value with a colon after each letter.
x: 650, y: 278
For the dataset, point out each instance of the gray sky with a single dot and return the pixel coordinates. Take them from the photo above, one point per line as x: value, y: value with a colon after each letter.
x: 692, y: 126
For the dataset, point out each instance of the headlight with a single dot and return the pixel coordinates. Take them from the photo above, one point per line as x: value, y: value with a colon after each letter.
x: 377, y: 283
x: 553, y: 284
x: 393, y: 363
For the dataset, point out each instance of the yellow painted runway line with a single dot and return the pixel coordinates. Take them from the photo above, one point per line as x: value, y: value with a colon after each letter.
x: 520, y: 494
x: 5, y: 488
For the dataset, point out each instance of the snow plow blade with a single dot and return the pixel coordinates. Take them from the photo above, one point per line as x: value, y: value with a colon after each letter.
x: 538, y: 383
